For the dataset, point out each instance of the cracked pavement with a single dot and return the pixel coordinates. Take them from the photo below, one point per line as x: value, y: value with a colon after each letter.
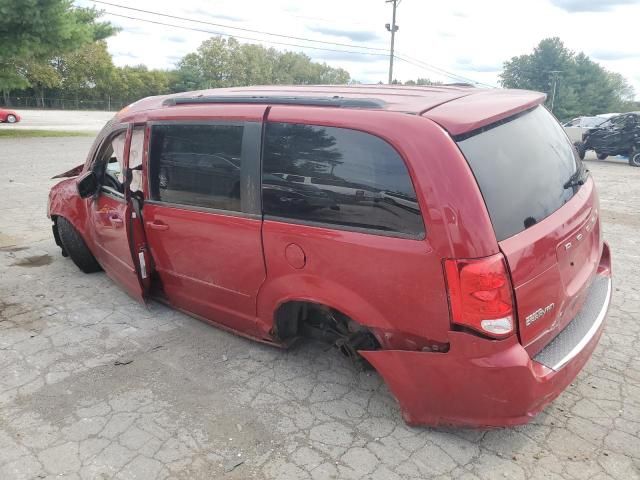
x: 95, y: 386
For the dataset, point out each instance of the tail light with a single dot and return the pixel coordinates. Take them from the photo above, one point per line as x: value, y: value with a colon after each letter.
x: 480, y: 295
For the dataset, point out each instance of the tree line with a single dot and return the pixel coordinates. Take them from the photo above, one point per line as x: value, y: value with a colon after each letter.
x: 88, y: 74
x: 58, y: 51
x: 52, y: 51
x: 582, y: 86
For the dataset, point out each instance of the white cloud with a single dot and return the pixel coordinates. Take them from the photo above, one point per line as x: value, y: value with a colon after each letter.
x: 591, y: 5
x: 467, y: 37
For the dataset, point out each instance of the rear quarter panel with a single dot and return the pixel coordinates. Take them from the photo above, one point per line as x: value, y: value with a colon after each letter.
x: 393, y: 285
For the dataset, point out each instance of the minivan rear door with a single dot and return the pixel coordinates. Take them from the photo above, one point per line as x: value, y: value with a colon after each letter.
x: 544, y: 211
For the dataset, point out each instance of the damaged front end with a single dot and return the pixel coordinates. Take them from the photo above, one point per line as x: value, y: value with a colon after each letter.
x: 74, y: 172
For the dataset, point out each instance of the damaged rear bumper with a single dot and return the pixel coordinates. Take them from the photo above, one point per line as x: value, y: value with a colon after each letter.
x: 480, y: 382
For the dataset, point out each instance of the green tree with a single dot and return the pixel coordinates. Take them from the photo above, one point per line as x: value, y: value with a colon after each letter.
x: 33, y: 32
x: 85, y: 71
x: 582, y: 86
x: 221, y: 62
x: 131, y: 83
x: 41, y: 76
x: 420, y: 81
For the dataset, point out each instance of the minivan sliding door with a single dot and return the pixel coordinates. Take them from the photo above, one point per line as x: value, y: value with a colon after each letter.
x: 202, y: 217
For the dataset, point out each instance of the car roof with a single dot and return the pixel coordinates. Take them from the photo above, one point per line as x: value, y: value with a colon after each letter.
x: 458, y: 108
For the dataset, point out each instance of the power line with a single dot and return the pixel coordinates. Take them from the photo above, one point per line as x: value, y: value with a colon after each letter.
x: 261, y: 32
x: 413, y: 61
x: 419, y: 63
x: 242, y: 37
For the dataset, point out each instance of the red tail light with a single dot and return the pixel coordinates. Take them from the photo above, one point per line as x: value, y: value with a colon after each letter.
x: 480, y: 295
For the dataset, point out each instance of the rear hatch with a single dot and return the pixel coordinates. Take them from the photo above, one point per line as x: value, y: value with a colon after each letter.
x: 544, y: 210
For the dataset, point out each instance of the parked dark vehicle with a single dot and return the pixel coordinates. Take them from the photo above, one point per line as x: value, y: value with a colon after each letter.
x: 620, y: 135
x: 447, y: 236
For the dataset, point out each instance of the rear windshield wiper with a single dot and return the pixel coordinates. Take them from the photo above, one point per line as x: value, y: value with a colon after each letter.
x: 577, y: 179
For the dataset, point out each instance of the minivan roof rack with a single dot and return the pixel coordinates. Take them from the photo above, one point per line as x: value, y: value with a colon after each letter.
x: 335, y: 101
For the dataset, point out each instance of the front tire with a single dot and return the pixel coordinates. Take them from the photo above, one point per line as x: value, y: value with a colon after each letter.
x: 602, y: 156
x: 11, y: 119
x: 581, y: 149
x: 634, y: 157
x: 74, y: 245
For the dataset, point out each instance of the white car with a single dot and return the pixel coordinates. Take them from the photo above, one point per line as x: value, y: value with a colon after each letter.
x: 339, y: 188
x: 576, y: 127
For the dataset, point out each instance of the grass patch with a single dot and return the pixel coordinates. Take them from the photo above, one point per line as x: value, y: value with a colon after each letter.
x: 19, y: 133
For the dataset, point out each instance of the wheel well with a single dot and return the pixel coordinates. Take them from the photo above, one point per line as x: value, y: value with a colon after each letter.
x: 56, y: 233
x: 302, y: 319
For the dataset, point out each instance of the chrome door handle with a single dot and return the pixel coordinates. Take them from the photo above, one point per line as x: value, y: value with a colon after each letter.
x: 157, y: 226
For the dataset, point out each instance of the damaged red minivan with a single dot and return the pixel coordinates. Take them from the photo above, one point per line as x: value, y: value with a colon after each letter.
x: 448, y: 236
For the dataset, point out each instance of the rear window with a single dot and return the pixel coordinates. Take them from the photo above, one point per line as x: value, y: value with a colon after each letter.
x: 522, y: 167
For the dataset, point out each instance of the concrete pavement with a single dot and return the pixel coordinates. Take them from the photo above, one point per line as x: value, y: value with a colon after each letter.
x: 96, y: 386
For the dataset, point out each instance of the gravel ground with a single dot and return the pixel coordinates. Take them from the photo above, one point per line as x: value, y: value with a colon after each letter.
x: 94, y: 385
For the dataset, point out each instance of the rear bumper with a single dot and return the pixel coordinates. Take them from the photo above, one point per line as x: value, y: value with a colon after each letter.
x: 488, y: 383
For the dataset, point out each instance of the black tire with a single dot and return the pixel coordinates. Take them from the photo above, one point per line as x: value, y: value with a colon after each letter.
x: 11, y: 119
x: 580, y: 148
x: 634, y: 157
x: 602, y: 156
x: 74, y: 245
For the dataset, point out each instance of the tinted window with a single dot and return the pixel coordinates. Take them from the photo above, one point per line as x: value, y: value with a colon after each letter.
x: 521, y: 167
x: 196, y: 165
x: 352, y: 178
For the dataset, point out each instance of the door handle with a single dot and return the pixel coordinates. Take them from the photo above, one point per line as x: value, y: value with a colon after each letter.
x: 157, y: 226
x: 116, y: 221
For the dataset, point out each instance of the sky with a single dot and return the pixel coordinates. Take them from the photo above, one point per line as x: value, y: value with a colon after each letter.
x: 447, y: 41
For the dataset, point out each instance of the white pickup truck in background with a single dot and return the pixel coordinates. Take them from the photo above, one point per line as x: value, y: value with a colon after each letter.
x: 576, y: 127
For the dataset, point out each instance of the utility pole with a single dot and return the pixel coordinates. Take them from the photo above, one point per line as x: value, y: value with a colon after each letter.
x: 393, y: 28
x: 554, y: 74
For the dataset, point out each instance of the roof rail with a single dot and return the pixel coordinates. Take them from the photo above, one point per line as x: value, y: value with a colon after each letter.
x: 336, y: 101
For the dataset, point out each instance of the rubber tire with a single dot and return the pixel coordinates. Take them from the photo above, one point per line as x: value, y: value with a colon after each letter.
x: 75, y: 246
x: 634, y: 157
x: 602, y: 156
x: 582, y: 151
x: 11, y: 119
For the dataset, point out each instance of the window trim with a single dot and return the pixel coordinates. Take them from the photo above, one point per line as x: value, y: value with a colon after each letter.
x: 110, y: 192
x: 345, y: 228
x: 250, y: 192
x: 333, y: 226
x: 196, y: 208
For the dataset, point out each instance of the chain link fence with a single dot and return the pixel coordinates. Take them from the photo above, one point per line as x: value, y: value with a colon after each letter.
x: 62, y: 103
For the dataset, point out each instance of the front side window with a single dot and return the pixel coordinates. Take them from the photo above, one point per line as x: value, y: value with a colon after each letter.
x: 337, y: 176
x: 197, y: 165
x: 109, y: 164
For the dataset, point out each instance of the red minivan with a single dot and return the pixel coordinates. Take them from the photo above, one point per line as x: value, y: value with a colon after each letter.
x: 469, y: 271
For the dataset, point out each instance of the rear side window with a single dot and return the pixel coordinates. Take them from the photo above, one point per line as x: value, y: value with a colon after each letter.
x: 196, y: 165
x: 522, y: 167
x: 339, y: 177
